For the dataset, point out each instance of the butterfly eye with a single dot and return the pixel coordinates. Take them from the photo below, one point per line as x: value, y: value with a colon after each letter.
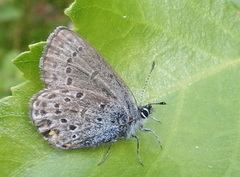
x: 144, y: 113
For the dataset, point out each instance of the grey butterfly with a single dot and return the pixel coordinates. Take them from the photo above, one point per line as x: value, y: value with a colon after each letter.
x: 84, y: 103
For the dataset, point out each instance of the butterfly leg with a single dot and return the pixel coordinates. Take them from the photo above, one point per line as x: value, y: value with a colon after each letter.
x: 106, y: 154
x: 153, y: 118
x: 149, y: 130
x: 138, y: 147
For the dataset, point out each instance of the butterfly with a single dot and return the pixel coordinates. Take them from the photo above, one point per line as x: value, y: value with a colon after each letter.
x: 84, y: 103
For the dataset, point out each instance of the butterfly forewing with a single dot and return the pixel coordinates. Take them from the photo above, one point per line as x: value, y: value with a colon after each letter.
x: 70, y: 60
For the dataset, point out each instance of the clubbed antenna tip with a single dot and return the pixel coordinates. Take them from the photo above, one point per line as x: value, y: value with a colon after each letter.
x: 161, y: 103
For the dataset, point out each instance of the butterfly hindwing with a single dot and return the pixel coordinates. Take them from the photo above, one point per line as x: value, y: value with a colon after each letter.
x: 71, y: 118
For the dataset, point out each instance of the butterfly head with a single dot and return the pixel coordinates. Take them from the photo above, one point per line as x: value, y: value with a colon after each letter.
x: 146, y: 110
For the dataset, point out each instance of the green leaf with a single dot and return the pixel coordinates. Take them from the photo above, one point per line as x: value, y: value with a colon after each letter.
x: 195, y: 45
x: 235, y: 4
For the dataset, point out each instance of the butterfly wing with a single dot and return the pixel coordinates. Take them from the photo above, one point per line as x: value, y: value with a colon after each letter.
x: 69, y: 60
x: 70, y: 118
x: 85, y: 103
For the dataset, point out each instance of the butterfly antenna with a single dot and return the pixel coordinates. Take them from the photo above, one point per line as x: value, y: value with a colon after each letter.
x: 146, y: 82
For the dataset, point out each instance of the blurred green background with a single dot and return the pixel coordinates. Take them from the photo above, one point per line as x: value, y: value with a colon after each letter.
x: 24, y: 22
